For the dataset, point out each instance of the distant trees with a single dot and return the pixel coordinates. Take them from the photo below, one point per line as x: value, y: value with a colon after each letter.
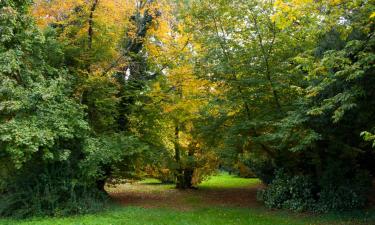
x: 295, y: 95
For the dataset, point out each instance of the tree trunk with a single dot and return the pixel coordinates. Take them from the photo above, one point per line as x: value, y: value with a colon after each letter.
x: 184, y: 178
x: 100, y: 184
x: 185, y: 174
x: 91, y: 22
x: 188, y: 178
x: 180, y: 183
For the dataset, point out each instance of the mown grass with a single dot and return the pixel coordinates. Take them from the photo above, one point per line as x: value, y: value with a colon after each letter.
x: 200, y: 214
x: 217, y: 215
x: 224, y: 180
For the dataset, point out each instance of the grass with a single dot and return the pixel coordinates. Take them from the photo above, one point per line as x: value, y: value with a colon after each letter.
x: 217, y: 215
x: 151, y: 203
x: 225, y: 180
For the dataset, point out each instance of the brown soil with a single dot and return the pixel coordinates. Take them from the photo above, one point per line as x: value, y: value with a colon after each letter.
x: 149, y: 197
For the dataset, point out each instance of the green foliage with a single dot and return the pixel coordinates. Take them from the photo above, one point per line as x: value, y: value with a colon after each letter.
x: 116, y: 154
x: 367, y: 136
x: 291, y: 97
x: 336, y: 191
x: 42, y: 127
x: 264, y: 169
x: 49, y: 189
x: 100, y: 97
x: 341, y: 189
x: 289, y: 192
x: 37, y: 116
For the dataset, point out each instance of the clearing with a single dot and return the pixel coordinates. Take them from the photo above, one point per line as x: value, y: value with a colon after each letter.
x: 223, y: 199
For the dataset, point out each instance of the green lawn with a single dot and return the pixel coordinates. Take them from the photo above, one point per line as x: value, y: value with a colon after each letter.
x: 195, y: 207
x: 225, y: 180
x: 217, y: 216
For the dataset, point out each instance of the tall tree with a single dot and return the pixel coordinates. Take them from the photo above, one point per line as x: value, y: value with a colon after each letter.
x: 174, y: 100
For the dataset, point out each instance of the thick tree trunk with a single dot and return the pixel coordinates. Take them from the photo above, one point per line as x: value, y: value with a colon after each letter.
x: 189, y: 171
x: 184, y: 178
x: 188, y: 178
x: 100, y: 184
x: 185, y: 174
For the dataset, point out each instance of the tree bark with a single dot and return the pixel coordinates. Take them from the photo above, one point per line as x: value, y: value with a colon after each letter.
x: 91, y: 22
x: 189, y: 170
x: 179, y: 171
x: 100, y: 183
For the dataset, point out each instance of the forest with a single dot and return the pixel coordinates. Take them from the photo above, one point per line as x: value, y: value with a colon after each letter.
x: 97, y: 94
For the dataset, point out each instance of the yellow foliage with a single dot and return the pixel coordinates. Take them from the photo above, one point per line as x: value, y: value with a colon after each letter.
x: 46, y: 12
x: 110, y: 19
x: 290, y: 11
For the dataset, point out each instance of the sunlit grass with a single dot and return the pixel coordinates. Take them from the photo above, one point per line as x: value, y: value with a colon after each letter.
x: 224, y: 180
x: 219, y: 181
x: 217, y: 216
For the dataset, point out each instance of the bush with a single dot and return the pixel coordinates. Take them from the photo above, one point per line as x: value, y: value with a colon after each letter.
x: 341, y: 190
x: 288, y: 192
x: 56, y: 191
x: 335, y: 191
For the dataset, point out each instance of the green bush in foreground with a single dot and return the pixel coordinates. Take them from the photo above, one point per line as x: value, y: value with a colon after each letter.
x: 301, y: 193
x: 53, y: 191
x: 288, y: 192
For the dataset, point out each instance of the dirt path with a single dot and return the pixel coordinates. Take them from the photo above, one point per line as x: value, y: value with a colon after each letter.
x: 155, y: 196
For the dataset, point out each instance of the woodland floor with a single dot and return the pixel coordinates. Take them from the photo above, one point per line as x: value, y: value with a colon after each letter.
x: 153, y: 194
x: 222, y: 200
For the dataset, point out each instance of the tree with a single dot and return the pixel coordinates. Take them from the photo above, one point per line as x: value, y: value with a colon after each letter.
x: 42, y: 126
x: 273, y: 110
x: 172, y: 104
x: 334, y: 109
x: 246, y: 55
x: 103, y: 41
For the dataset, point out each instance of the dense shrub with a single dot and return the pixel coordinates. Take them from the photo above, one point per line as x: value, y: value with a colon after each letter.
x: 335, y: 191
x: 55, y: 190
x: 342, y: 189
x: 289, y: 192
